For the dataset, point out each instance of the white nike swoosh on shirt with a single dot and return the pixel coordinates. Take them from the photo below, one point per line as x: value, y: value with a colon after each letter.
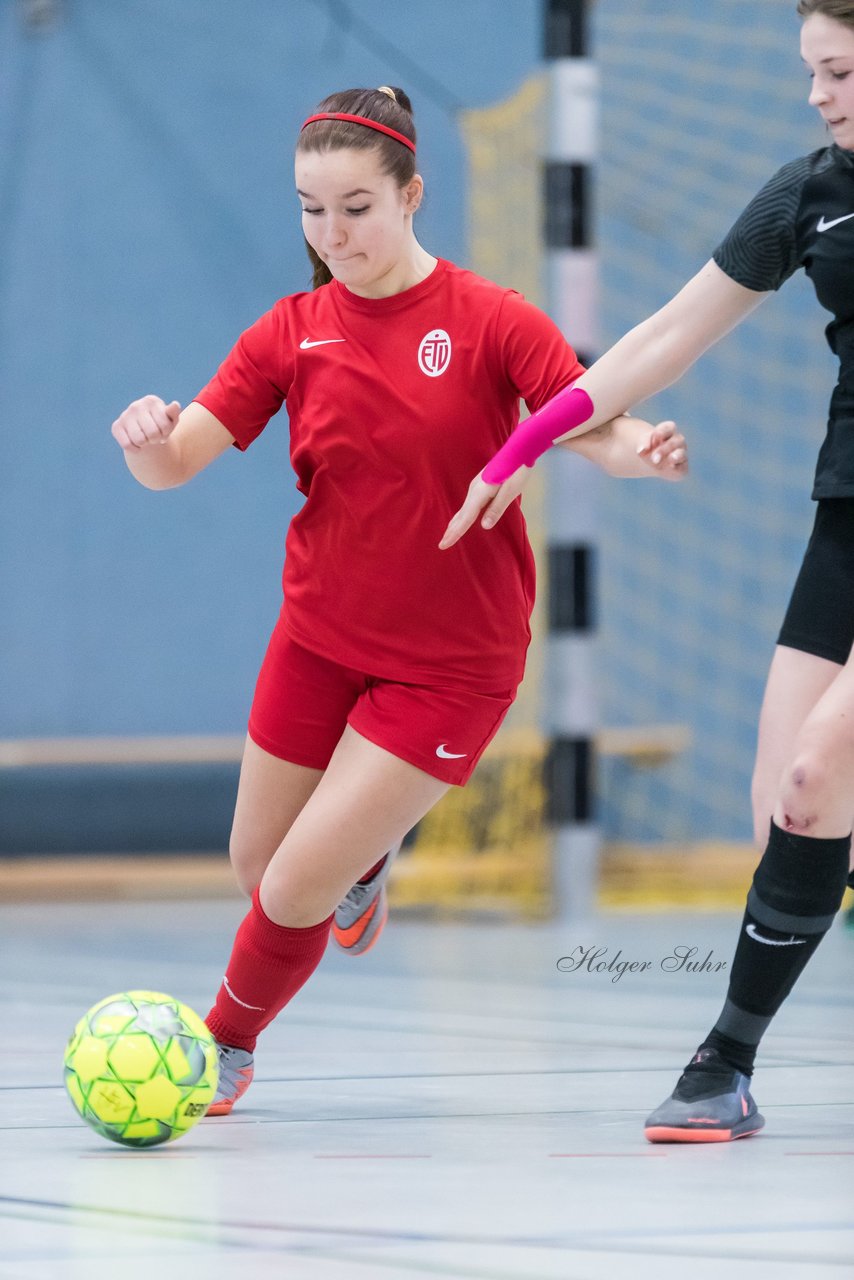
x: 774, y: 942
x: 824, y: 225
x: 443, y: 754
x: 320, y: 342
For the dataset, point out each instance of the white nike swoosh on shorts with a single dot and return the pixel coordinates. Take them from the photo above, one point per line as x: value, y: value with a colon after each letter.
x: 444, y: 754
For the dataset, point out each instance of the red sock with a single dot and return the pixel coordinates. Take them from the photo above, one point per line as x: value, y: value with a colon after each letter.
x: 269, y: 963
x: 369, y: 875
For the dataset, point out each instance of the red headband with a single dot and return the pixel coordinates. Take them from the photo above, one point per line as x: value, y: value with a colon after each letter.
x: 370, y: 124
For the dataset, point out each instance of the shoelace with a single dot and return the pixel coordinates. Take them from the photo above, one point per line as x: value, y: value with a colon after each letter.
x: 229, y: 1070
x: 705, y: 1079
x: 357, y: 893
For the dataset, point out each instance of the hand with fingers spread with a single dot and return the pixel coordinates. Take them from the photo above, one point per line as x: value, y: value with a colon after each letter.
x: 149, y: 420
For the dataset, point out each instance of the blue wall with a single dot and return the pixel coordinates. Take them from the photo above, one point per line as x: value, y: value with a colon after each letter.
x: 147, y: 215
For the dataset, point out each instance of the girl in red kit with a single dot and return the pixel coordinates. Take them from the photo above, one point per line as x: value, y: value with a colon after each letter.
x: 393, y: 663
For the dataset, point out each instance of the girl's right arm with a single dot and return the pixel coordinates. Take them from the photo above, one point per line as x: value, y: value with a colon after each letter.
x: 165, y: 445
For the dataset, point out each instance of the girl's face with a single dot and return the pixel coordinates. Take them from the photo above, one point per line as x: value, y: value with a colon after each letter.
x: 357, y: 219
x: 827, y: 47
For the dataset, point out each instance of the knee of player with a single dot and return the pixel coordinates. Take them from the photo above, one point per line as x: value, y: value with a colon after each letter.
x: 799, y: 824
x: 808, y: 775
x: 803, y: 788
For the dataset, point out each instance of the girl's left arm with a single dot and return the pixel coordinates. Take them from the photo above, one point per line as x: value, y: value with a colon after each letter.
x: 630, y: 447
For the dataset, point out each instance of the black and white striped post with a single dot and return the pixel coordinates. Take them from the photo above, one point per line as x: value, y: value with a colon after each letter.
x: 572, y: 713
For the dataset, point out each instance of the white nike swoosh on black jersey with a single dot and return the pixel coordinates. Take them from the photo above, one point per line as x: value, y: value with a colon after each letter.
x: 824, y: 225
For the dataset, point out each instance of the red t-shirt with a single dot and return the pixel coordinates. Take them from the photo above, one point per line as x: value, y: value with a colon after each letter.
x: 394, y: 404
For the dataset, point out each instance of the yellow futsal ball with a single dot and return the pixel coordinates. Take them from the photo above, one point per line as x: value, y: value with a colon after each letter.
x: 141, y: 1068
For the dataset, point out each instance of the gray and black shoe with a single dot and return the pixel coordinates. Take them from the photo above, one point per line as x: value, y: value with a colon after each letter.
x: 711, y: 1103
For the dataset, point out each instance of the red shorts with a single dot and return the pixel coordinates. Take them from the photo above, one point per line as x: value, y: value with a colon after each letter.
x: 303, y: 701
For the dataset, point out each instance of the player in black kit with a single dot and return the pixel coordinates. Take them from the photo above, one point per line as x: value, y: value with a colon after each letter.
x: 803, y: 783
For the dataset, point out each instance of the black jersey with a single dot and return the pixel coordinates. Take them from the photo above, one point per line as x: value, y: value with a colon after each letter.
x: 804, y: 217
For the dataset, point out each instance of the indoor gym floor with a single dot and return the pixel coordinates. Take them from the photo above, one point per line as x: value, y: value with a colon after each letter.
x: 450, y: 1105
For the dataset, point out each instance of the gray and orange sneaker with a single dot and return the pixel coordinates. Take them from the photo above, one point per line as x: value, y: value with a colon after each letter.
x: 711, y: 1103
x: 236, y: 1069
x: 359, y: 919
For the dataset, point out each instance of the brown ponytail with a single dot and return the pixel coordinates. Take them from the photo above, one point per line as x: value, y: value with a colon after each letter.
x: 389, y: 106
x: 320, y: 273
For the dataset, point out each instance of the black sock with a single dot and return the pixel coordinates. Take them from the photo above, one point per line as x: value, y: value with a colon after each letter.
x: 797, y: 890
x: 735, y: 1053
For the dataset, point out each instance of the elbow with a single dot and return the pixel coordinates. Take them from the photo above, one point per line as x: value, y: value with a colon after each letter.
x: 158, y: 484
x: 672, y: 346
x: 153, y: 478
x: 665, y: 359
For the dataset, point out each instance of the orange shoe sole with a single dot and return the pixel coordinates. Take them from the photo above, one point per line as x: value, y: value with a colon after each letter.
x: 660, y: 1134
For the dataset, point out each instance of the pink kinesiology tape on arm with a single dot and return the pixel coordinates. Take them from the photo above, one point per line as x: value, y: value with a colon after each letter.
x: 569, y: 409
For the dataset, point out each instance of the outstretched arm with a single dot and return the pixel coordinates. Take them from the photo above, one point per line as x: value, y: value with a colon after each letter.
x: 649, y: 358
x: 657, y: 352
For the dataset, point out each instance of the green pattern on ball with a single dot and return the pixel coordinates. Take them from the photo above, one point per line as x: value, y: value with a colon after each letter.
x: 141, y: 1068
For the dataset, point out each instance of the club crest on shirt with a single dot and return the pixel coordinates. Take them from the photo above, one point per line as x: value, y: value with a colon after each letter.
x: 434, y: 354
